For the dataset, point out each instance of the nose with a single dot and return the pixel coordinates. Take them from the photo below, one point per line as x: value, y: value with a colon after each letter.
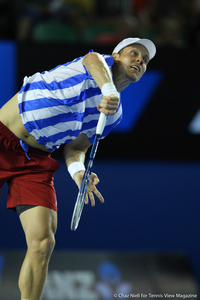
x: 140, y: 60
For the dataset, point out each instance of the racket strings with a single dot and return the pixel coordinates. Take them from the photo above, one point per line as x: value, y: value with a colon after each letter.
x: 84, y: 186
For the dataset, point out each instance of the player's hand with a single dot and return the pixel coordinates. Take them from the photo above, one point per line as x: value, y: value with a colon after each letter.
x: 108, y: 105
x: 92, y: 190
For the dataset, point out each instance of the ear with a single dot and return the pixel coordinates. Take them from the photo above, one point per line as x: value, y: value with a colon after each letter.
x: 115, y: 55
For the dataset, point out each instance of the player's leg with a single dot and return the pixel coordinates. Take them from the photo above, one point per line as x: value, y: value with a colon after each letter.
x: 39, y: 224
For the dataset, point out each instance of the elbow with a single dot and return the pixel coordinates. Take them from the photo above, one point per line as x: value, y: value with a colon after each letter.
x: 91, y: 59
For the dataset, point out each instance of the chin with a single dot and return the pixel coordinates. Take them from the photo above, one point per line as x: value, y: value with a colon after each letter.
x: 134, y: 78
x: 137, y: 79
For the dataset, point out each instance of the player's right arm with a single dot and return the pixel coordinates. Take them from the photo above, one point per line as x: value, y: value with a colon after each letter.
x: 98, y: 68
x: 100, y: 72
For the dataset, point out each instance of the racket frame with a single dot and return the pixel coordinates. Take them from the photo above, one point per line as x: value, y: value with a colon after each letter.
x: 80, y: 200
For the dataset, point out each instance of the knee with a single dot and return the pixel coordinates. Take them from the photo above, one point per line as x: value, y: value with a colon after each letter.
x: 46, y: 246
x: 41, y: 250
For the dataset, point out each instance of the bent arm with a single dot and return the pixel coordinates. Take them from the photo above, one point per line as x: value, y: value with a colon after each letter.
x: 75, y: 151
x: 98, y: 68
x: 100, y: 72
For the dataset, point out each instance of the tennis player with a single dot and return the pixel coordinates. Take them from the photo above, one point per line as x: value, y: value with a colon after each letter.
x: 57, y: 107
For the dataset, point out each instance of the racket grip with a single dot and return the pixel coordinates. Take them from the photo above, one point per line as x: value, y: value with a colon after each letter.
x: 101, y: 124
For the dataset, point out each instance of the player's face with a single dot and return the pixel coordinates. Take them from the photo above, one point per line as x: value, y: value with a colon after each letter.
x: 133, y: 61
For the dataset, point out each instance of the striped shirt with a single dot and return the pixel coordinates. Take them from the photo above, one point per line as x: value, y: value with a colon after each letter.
x: 57, y: 105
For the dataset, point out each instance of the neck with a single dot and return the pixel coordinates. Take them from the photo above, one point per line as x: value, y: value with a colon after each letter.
x: 120, y: 81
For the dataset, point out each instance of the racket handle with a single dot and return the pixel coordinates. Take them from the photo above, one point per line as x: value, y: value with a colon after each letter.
x: 101, y: 124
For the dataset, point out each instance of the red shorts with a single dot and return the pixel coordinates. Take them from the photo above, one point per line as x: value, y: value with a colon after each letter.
x: 30, y: 182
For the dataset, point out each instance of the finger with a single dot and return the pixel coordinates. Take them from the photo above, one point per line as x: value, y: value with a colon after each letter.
x: 107, y: 112
x: 108, y: 107
x: 109, y: 103
x: 98, y: 195
x: 94, y: 179
x: 92, y: 199
x: 113, y: 97
x: 86, y: 199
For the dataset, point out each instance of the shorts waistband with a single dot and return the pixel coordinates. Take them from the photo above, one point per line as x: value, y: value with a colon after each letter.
x: 6, y: 132
x: 25, y: 147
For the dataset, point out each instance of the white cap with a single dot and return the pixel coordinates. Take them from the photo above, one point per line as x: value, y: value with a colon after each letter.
x: 149, y: 45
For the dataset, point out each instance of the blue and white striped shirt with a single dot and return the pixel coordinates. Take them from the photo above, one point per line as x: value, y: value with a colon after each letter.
x: 57, y: 105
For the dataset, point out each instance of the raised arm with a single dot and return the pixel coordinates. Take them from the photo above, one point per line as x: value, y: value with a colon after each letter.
x: 98, y: 68
x: 100, y: 72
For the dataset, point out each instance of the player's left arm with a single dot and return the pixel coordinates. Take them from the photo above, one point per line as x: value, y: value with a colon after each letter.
x: 74, y: 152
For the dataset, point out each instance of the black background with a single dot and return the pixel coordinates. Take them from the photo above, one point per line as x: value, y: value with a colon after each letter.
x: 162, y: 130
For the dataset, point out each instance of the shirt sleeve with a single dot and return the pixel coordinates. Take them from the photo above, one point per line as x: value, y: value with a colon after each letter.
x: 109, y: 60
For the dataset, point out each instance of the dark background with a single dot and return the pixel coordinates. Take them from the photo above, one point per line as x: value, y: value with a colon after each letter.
x: 149, y: 175
x: 162, y: 130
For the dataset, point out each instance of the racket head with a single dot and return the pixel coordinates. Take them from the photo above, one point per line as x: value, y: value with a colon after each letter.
x: 80, y: 200
x: 78, y: 208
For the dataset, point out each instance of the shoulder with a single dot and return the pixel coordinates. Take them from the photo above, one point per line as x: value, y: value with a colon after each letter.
x: 92, y: 57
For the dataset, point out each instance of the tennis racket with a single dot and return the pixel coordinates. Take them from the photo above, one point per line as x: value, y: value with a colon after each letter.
x: 80, y: 200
